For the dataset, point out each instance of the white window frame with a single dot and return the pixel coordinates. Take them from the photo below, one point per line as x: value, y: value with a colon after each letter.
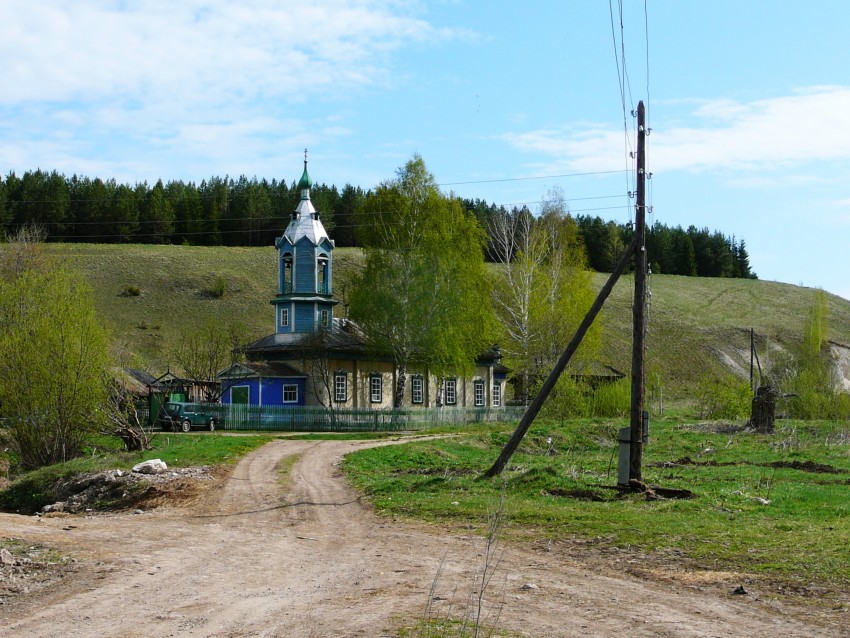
x: 497, y: 394
x: 451, y: 391
x: 290, y: 386
x: 284, y: 317
x: 376, y: 387
x: 340, y: 386
x: 325, y: 318
x: 478, y: 393
x: 323, y: 266
x: 417, y: 389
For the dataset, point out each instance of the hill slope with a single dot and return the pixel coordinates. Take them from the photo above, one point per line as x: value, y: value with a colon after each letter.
x: 697, y: 325
x: 702, y: 325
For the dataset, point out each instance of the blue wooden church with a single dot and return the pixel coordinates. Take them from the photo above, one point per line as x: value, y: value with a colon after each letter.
x: 314, y: 358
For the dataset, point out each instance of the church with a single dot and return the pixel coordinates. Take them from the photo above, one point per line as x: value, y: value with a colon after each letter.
x: 314, y: 358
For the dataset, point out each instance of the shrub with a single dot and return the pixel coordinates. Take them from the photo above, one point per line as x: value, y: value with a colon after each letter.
x: 726, y: 397
x: 217, y: 287
x: 612, y: 399
x: 53, y: 351
x: 568, y: 400
x: 131, y: 291
x: 814, y: 395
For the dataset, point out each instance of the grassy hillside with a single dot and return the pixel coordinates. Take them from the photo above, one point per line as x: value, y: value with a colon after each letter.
x: 175, y: 285
x: 702, y: 325
x: 696, y: 325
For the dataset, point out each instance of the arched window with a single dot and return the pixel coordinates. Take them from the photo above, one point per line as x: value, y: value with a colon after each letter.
x: 478, y: 393
x: 417, y: 389
x: 376, y: 387
x: 323, y: 279
x: 286, y: 268
x: 340, y: 386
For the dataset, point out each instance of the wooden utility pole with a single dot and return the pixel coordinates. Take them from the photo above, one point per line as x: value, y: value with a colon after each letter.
x: 572, y: 346
x: 639, y: 308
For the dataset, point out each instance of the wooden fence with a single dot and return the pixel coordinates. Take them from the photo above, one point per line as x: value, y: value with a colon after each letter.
x: 318, y: 419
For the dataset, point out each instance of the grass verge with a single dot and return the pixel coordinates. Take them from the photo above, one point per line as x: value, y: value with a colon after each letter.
x: 776, y: 505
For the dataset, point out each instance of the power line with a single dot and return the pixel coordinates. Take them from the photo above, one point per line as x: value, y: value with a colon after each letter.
x: 203, y: 220
x: 620, y: 59
x: 227, y: 232
x: 518, y: 179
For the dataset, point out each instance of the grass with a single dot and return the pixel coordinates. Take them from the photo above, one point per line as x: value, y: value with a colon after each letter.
x: 693, y: 323
x: 181, y: 288
x: 800, y: 536
x: 33, y: 490
x: 284, y: 467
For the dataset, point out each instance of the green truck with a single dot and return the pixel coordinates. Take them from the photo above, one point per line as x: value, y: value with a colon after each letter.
x: 179, y: 416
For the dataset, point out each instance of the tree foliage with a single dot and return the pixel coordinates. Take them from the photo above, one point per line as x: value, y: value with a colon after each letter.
x: 53, y: 362
x: 423, y: 295
x: 203, y: 353
x: 810, y: 377
x: 542, y: 290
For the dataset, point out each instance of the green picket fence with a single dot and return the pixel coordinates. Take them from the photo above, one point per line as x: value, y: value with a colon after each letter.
x: 318, y: 419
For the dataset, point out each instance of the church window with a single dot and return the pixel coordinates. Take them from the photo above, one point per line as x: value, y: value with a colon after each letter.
x: 340, y: 386
x: 451, y: 391
x: 417, y: 389
x: 497, y: 394
x: 284, y: 317
x: 290, y: 393
x: 478, y: 393
x: 376, y: 387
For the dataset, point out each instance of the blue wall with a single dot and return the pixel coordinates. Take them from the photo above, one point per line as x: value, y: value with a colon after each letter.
x: 272, y: 390
x: 305, y: 267
x: 305, y: 317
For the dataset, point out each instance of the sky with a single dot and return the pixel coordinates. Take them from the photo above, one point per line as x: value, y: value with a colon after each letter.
x: 748, y: 104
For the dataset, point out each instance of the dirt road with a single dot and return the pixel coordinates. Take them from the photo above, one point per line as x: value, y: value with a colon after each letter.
x: 308, y: 559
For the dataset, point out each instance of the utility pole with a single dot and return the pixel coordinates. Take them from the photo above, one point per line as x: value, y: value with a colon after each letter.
x: 639, y: 308
x: 752, y: 358
x: 572, y: 346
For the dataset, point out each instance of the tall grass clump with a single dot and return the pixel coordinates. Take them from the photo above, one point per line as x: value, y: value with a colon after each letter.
x: 573, y: 398
x: 568, y: 400
x: 217, y: 287
x: 611, y: 399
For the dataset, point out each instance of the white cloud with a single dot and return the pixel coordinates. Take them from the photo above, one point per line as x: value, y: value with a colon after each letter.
x: 810, y: 125
x: 195, y: 50
x: 93, y: 83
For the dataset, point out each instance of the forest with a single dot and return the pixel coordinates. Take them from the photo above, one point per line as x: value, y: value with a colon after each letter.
x: 223, y: 211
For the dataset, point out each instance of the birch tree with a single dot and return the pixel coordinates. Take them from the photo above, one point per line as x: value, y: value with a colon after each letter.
x: 542, y: 289
x: 423, y: 295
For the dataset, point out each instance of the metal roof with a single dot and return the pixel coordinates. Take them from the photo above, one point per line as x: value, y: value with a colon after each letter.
x: 306, y: 224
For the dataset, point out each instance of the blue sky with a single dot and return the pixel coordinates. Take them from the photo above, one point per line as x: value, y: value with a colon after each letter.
x: 749, y: 104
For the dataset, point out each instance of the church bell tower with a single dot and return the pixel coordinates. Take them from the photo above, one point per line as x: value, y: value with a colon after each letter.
x: 304, y: 301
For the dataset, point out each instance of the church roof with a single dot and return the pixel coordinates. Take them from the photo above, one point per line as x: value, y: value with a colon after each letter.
x: 305, y: 183
x: 255, y: 369
x: 306, y: 224
x: 343, y: 337
x: 305, y: 221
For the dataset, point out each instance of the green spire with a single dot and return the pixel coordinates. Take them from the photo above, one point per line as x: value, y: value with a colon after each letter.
x: 305, y: 182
